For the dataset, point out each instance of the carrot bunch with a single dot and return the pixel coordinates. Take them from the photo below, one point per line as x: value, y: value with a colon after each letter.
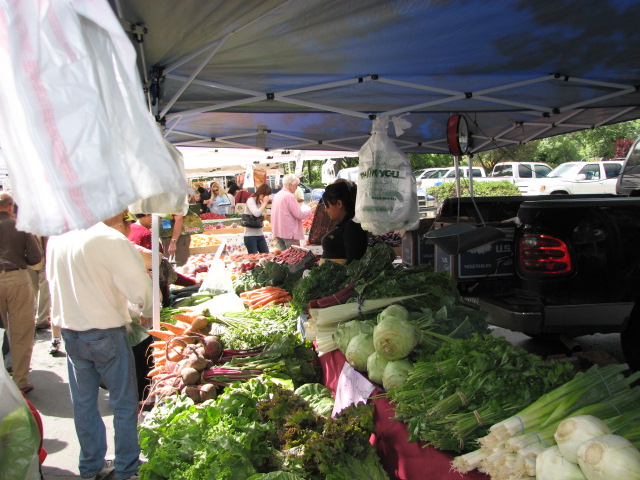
x: 265, y: 297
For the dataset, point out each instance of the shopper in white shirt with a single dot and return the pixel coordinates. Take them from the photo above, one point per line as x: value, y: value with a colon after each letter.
x: 93, y: 275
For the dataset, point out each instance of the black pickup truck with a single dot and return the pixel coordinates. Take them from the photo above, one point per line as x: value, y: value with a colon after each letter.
x: 567, y: 264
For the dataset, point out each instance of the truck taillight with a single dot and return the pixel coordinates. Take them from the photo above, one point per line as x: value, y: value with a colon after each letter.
x: 542, y: 254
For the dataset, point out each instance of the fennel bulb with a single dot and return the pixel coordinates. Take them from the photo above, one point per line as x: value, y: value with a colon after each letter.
x: 347, y: 330
x: 610, y: 457
x: 395, y: 310
x: 375, y: 367
x: 573, y: 431
x: 551, y: 465
x: 394, y: 337
x: 395, y: 373
x: 358, y: 351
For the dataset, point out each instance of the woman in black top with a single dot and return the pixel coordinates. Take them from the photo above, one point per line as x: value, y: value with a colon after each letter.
x: 347, y: 241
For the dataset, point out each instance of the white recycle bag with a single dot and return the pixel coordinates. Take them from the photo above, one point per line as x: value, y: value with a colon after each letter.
x: 387, y: 198
x: 79, y: 141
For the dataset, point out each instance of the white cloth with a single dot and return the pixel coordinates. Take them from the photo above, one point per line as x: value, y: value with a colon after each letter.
x: 328, y: 172
x: 93, y: 274
x: 248, y: 177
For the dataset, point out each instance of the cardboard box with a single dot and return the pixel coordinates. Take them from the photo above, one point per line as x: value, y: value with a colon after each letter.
x: 416, y: 248
x: 198, y: 250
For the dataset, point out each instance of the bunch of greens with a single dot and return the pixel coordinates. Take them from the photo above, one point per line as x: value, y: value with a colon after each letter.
x: 271, y: 274
x: 469, y: 384
x: 376, y: 259
x: 219, y: 438
x: 254, y: 428
x: 315, y: 448
x: 319, y: 398
x: 450, y: 321
x: 397, y: 282
x: 252, y: 328
x: 322, y: 281
x: 288, y: 357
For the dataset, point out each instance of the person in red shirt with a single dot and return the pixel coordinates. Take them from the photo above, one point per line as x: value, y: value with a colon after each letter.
x: 141, y: 235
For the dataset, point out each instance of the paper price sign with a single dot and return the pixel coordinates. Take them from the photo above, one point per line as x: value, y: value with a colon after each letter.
x: 352, y: 388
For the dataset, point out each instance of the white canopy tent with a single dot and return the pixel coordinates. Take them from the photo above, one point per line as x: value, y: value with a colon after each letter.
x: 199, y: 161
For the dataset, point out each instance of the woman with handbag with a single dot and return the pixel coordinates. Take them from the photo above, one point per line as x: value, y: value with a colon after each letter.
x: 253, y: 219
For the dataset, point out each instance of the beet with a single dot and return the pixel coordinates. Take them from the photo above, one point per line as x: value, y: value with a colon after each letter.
x: 193, y: 392
x: 212, y: 347
x: 190, y: 376
x: 208, y: 392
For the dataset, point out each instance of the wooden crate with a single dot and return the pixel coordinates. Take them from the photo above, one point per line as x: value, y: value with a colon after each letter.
x: 209, y: 249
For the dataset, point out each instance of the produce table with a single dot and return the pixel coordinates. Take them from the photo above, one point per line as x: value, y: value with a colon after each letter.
x: 403, y: 460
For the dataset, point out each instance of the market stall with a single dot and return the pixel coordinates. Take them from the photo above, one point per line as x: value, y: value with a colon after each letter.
x: 247, y: 335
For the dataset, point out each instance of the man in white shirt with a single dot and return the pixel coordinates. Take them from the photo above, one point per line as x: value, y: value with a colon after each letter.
x: 93, y: 274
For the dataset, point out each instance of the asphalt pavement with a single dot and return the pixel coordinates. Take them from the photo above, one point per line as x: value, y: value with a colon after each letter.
x: 51, y: 393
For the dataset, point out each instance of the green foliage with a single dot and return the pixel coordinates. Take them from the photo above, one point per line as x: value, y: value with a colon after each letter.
x: 481, y: 377
x: 257, y: 327
x: 253, y: 428
x: 322, y: 281
x: 397, y: 282
x: 480, y: 189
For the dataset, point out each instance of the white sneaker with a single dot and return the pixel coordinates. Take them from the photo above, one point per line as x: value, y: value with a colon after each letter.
x: 106, y: 471
x: 54, y: 347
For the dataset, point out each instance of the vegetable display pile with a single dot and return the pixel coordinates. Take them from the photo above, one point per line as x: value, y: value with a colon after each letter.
x: 265, y: 297
x: 253, y: 428
x: 293, y: 256
x: 321, y: 281
x: 256, y: 327
x: 469, y: 384
x: 269, y: 273
x: 513, y: 446
x: 390, y: 239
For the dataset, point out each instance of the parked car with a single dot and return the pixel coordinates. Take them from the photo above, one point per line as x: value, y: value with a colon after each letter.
x: 432, y: 172
x: 576, y: 178
x: 450, y: 175
x: 518, y: 171
x: 629, y: 179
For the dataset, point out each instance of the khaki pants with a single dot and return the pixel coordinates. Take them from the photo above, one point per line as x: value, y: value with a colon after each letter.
x: 17, y: 305
x: 41, y: 293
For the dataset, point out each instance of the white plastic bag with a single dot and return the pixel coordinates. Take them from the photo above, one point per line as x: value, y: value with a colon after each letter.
x: 79, y: 141
x: 167, y: 202
x: 19, y: 433
x: 218, y: 279
x: 387, y: 198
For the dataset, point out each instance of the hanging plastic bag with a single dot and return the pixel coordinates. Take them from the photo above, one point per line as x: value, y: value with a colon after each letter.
x: 19, y: 434
x: 79, y: 141
x: 166, y: 202
x: 387, y: 198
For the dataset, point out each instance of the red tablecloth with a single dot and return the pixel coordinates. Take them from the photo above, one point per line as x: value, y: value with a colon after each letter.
x: 403, y: 460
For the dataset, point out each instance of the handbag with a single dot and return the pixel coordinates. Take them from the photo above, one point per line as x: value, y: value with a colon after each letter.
x: 251, y: 221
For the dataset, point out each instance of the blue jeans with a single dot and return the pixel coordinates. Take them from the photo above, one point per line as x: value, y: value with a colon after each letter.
x: 106, y: 354
x: 256, y: 244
